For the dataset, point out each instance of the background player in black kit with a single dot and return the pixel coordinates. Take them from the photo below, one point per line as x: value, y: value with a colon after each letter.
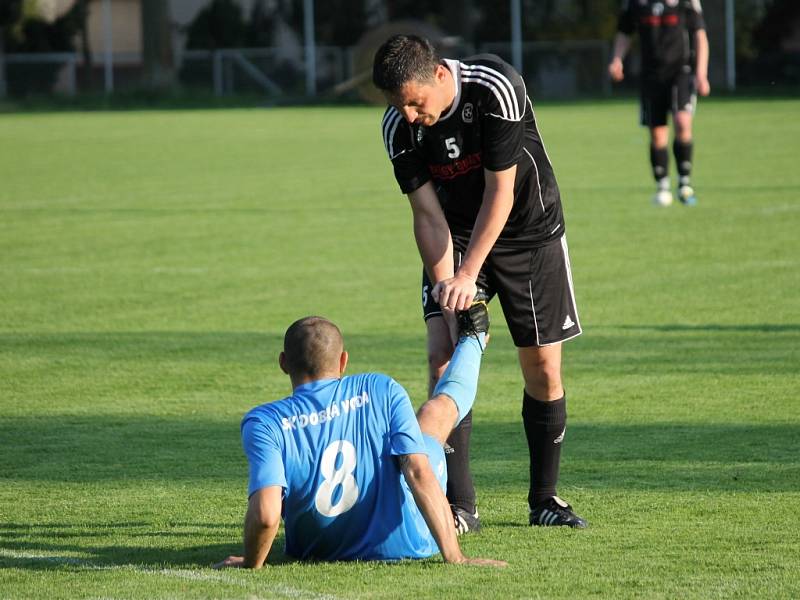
x: 674, y: 49
x: 465, y: 148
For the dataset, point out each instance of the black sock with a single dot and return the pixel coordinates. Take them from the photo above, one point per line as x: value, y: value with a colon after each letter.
x: 659, y: 161
x: 683, y: 158
x: 545, y: 424
x: 460, y: 489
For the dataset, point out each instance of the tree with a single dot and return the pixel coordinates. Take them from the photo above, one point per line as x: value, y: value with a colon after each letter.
x: 10, y: 11
x: 340, y: 22
x: 81, y: 17
x: 218, y: 25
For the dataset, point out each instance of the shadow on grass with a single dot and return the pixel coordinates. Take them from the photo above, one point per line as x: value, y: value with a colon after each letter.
x: 160, y: 347
x: 675, y: 348
x: 679, y: 456
x: 703, y: 350
x: 53, y: 546
x: 144, y: 347
x: 658, y: 457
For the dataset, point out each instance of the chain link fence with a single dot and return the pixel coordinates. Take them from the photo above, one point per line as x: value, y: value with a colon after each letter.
x: 552, y: 70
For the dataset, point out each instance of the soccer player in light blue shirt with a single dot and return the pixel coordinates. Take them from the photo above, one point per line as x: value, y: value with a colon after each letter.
x: 344, y: 461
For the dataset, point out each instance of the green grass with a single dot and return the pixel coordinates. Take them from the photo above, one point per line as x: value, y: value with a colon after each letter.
x: 151, y: 261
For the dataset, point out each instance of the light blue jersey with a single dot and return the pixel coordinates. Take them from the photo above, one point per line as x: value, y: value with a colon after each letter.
x: 331, y: 446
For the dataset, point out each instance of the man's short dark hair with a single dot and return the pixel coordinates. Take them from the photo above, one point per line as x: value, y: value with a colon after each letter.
x: 312, y: 346
x: 401, y: 59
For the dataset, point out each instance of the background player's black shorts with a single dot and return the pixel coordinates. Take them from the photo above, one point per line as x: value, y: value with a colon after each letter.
x: 661, y: 97
x: 535, y: 289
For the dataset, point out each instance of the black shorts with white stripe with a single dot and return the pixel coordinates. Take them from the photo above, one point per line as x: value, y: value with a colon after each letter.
x: 660, y: 98
x: 535, y: 289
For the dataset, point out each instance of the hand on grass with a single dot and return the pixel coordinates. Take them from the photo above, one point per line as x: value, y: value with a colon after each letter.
x: 484, y: 562
x: 232, y: 562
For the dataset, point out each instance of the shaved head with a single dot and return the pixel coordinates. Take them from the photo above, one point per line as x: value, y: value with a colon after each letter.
x: 312, y: 347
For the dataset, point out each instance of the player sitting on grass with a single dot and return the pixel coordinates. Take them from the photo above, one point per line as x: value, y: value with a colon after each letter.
x: 345, y: 462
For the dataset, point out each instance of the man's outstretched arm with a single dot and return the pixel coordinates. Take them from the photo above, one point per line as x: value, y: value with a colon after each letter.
x: 261, y: 524
x: 434, y: 507
x: 432, y: 233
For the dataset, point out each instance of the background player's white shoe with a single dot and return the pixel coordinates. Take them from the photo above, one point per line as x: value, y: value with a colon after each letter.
x: 663, y: 198
x: 686, y: 195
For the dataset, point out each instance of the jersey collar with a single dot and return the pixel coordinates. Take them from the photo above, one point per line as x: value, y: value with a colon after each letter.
x: 456, y: 72
x: 314, y: 385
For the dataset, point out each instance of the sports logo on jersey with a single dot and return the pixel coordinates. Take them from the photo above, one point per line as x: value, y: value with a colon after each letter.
x: 420, y: 134
x: 466, y: 113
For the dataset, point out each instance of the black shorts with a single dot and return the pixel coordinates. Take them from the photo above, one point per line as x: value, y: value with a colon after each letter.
x: 662, y: 97
x: 535, y: 289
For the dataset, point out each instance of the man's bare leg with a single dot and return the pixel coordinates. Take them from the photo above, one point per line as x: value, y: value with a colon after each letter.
x: 460, y: 486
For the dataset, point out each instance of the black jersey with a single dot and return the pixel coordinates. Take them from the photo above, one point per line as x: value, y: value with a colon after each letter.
x: 490, y: 125
x: 666, y: 31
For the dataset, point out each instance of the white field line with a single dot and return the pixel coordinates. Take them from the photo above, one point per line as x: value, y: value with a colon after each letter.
x: 186, y: 574
x: 779, y: 208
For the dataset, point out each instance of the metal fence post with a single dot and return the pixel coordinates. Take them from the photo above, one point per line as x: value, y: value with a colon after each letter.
x: 730, y: 46
x: 3, y: 85
x: 310, y: 48
x: 108, y: 48
x: 217, y: 70
x: 72, y: 86
x: 516, y: 35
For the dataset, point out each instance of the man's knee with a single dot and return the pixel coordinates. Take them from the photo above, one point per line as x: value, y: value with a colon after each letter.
x: 437, y: 416
x: 545, y: 373
x: 541, y: 369
x: 438, y: 358
x: 683, y: 126
x: 659, y: 136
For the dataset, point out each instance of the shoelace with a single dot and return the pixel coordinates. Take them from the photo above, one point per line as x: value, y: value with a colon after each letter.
x: 466, y: 326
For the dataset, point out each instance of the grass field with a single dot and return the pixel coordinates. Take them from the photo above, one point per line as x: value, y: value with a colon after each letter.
x: 151, y: 261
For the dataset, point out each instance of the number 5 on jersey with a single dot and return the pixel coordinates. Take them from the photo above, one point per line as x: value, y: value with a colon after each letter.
x: 453, y: 151
x: 334, y: 478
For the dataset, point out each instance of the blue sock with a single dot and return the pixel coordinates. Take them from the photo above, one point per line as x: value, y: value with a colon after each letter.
x: 460, y: 380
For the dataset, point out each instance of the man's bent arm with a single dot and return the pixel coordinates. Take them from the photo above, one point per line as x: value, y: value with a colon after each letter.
x: 433, y: 504
x: 498, y: 200
x: 261, y: 524
x: 432, y: 233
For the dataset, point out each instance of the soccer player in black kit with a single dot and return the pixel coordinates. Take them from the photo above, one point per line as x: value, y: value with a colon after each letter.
x: 674, y: 49
x: 487, y: 215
